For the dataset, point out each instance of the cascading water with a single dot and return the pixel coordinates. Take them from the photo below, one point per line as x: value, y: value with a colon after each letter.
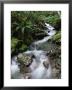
x: 42, y: 72
x: 15, y: 70
x: 37, y: 67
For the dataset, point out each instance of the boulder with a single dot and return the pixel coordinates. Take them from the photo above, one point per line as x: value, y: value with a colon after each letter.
x: 24, y: 59
x: 46, y: 64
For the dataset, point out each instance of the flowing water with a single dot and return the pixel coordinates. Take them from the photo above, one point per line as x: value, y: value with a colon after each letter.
x: 37, y: 67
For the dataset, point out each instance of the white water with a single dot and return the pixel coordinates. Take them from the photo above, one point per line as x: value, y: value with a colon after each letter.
x: 41, y: 72
x: 37, y: 67
x: 49, y: 27
x: 50, y: 31
x: 15, y: 70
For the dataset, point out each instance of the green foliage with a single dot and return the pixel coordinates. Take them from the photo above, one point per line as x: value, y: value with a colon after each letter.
x: 55, y: 21
x: 17, y: 46
x: 23, y: 47
x: 57, y: 38
x: 28, y: 26
x: 14, y: 42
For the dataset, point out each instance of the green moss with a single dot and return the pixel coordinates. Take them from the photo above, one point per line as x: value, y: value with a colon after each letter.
x: 17, y: 46
x: 55, y: 21
x: 14, y: 42
x: 23, y: 47
x: 24, y: 59
x: 57, y: 38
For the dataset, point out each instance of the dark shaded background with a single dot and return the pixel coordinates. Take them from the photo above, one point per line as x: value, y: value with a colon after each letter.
x: 1, y: 36
x: 37, y: 1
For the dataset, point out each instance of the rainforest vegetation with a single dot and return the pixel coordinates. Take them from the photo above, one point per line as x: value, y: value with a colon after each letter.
x: 29, y: 26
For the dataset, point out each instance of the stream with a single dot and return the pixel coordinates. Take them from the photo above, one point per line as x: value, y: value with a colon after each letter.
x: 38, y: 70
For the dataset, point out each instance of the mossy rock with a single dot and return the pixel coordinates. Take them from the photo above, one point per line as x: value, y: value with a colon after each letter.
x: 57, y: 38
x: 24, y: 69
x: 24, y: 59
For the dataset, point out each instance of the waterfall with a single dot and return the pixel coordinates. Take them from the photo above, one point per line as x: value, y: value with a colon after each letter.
x: 15, y: 70
x: 37, y: 67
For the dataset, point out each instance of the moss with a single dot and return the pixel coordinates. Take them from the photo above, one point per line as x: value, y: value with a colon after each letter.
x: 57, y: 38
x: 23, y: 47
x: 24, y: 59
x: 14, y: 42
x: 17, y: 46
x: 55, y: 21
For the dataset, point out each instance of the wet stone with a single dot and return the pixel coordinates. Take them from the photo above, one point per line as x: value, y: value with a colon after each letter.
x: 24, y: 59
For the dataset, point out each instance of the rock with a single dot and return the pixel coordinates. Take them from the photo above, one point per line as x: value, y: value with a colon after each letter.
x: 27, y: 75
x: 38, y: 34
x: 55, y: 73
x: 46, y: 64
x: 48, y: 52
x: 24, y: 69
x: 24, y: 59
x: 19, y: 55
x: 41, y: 35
